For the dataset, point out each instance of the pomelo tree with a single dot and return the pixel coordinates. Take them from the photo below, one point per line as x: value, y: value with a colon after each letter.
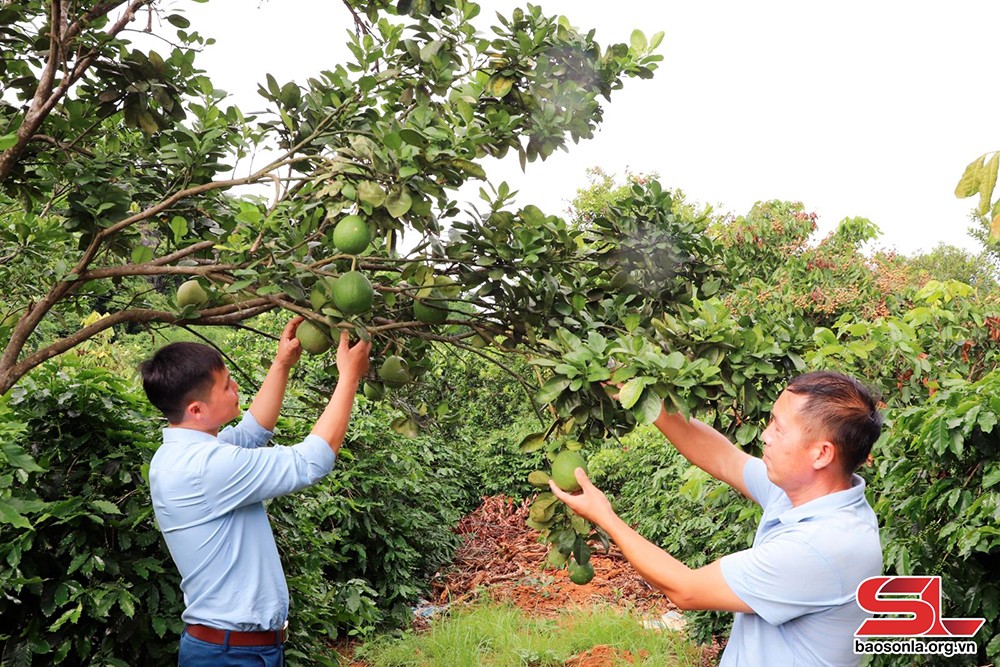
x: 117, y: 177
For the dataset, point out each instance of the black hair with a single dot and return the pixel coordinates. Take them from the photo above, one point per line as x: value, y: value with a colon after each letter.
x: 842, y: 410
x: 179, y: 373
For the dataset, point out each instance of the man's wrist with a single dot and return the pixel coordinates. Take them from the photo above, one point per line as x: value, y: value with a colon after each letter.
x: 282, y: 365
x: 349, y: 378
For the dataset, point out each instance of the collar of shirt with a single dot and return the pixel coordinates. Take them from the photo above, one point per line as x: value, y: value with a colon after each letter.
x: 185, y: 436
x: 824, y: 504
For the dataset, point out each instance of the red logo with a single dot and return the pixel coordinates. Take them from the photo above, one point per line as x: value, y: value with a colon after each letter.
x: 916, y: 603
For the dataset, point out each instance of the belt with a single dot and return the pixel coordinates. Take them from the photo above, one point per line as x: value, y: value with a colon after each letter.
x: 237, y: 638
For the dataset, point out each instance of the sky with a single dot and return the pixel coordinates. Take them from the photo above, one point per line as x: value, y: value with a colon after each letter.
x: 855, y: 108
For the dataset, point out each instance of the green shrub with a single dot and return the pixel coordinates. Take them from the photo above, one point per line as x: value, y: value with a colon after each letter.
x: 937, y: 489
x: 86, y: 578
x: 359, y: 547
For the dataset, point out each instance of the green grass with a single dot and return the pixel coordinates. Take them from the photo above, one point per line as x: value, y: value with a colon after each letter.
x: 496, y: 635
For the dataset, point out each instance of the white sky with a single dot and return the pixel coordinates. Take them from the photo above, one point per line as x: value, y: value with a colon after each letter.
x: 870, y: 108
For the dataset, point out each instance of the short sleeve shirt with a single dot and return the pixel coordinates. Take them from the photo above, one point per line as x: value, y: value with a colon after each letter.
x: 208, y: 496
x: 801, y: 576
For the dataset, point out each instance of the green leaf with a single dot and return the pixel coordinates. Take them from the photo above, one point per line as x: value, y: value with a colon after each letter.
x: 499, y: 85
x: 675, y: 360
x: 469, y: 167
x: 127, y: 603
x: 69, y: 616
x: 141, y: 254
x: 148, y: 123
x: 551, y: 390
x: 371, y: 193
x: 179, y: 227
x: 430, y: 50
x: 631, y: 391
x: 19, y: 458
x: 992, y: 475
x: 987, y: 182
x: 178, y: 21
x: 413, y: 137
x: 105, y: 506
x: 638, y: 41
x: 968, y: 185
x: 532, y: 443
x: 9, y: 516
x: 7, y: 140
x: 746, y: 433
x: 405, y: 426
x: 649, y: 407
x: 77, y: 562
x: 398, y: 202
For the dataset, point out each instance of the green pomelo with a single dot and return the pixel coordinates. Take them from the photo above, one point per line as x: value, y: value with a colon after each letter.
x: 353, y: 293
x: 477, y: 342
x: 539, y: 478
x: 317, y: 298
x: 313, y: 339
x: 580, y: 574
x: 374, y: 391
x: 619, y: 280
x: 395, y: 372
x: 563, y: 467
x: 430, y: 311
x: 352, y: 235
x: 191, y: 293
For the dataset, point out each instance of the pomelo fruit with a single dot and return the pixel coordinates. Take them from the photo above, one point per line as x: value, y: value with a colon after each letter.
x: 395, y: 372
x: 318, y: 298
x: 353, y: 293
x: 430, y: 311
x: 352, y: 235
x: 563, y: 470
x: 313, y: 339
x: 191, y: 293
x: 374, y: 391
x: 580, y: 574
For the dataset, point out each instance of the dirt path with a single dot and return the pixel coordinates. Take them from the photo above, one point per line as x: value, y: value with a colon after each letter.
x: 503, y: 555
x: 502, y: 558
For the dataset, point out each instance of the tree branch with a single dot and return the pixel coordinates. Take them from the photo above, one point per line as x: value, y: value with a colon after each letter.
x: 10, y: 374
x: 46, y: 97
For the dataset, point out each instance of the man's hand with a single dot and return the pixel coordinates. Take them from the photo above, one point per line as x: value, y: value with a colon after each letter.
x: 289, y: 347
x: 267, y: 403
x: 352, y: 361
x: 590, y: 502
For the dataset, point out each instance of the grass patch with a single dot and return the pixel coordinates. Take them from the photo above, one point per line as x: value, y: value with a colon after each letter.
x: 501, y: 635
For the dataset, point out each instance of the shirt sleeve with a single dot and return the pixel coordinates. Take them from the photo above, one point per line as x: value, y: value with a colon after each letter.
x: 237, y: 476
x: 248, y: 433
x: 782, y: 579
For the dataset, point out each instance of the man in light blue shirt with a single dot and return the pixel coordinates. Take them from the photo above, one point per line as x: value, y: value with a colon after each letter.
x: 794, y: 590
x: 208, y: 488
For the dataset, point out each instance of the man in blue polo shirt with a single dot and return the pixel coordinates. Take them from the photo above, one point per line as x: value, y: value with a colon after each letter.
x: 209, y: 486
x: 794, y: 590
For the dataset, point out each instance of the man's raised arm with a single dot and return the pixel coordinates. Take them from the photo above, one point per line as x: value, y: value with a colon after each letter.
x: 706, y: 448
x: 267, y: 403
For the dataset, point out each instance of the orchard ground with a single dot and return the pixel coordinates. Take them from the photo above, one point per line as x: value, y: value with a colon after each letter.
x: 502, y: 560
